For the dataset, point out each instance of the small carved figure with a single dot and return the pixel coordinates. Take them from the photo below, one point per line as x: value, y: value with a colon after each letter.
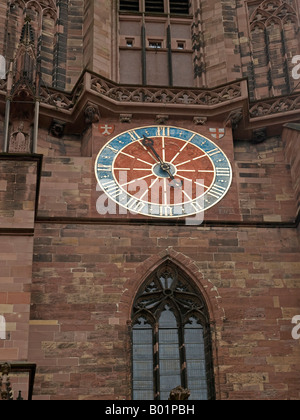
x: 179, y: 394
x: 19, y: 141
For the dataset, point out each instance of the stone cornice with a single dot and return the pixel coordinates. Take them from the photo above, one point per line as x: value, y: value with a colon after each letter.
x: 219, y: 103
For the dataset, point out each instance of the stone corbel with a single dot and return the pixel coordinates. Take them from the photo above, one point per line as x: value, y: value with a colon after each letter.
x: 125, y: 118
x: 162, y: 119
x: 259, y: 135
x: 234, y: 118
x: 91, y: 113
x: 200, y: 120
x: 57, y: 128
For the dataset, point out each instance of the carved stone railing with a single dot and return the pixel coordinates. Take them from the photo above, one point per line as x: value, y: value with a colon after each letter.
x: 274, y: 106
x: 60, y: 99
x: 92, y: 84
x: 138, y: 94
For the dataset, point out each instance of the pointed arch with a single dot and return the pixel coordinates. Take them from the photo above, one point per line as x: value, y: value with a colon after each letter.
x: 20, y: 3
x: 48, y: 4
x: 260, y: 15
x: 273, y: 28
x: 270, y: 5
x: 273, y: 20
x: 170, y: 303
x: 169, y: 285
x: 285, y: 10
x: 204, y: 286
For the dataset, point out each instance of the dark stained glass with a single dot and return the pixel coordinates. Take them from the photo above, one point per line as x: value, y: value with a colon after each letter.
x: 142, y: 340
x: 171, y: 338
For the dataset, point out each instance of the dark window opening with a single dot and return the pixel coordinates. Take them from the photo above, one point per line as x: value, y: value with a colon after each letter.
x: 130, y: 43
x: 129, y: 5
x: 171, y: 338
x: 155, y: 6
x: 180, y: 7
x: 155, y: 44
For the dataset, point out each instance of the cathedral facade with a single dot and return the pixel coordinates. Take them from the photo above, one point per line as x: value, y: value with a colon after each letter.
x: 150, y: 196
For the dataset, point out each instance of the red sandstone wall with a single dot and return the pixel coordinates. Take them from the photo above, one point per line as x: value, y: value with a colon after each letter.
x: 86, y: 274
x: 17, y: 209
x: 291, y: 139
x: 264, y: 182
x: 79, y: 334
x: 17, y: 193
x: 15, y: 297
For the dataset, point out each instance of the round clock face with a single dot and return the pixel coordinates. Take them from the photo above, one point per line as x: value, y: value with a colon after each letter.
x: 164, y: 172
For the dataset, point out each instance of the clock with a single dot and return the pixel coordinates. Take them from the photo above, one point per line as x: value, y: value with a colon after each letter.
x: 163, y: 171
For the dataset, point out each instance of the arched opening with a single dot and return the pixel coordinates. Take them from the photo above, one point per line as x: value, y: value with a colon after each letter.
x: 274, y: 40
x: 171, y: 339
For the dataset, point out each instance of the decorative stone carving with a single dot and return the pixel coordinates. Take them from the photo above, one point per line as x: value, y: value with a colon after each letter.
x: 169, y: 96
x: 200, y: 120
x: 179, y: 394
x: 259, y: 136
x: 162, y: 119
x: 234, y: 118
x: 57, y: 128
x: 5, y: 386
x: 19, y: 141
x: 198, y: 44
x: 125, y: 118
x: 275, y: 106
x: 92, y: 114
x: 273, y: 26
x: 273, y: 8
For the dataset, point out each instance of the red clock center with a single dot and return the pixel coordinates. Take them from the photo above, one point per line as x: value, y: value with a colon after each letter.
x: 138, y: 171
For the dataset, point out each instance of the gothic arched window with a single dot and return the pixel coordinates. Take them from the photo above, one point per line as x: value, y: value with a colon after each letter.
x: 274, y: 41
x: 171, y: 338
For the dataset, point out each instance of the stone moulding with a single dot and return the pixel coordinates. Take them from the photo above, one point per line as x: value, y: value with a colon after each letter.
x: 140, y: 94
x: 119, y: 99
x: 276, y: 106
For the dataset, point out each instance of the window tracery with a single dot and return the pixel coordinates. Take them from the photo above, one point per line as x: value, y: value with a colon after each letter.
x: 171, y: 338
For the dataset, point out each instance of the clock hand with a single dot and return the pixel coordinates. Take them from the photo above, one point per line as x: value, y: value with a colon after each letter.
x: 164, y: 166
x: 167, y: 168
x: 150, y: 143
